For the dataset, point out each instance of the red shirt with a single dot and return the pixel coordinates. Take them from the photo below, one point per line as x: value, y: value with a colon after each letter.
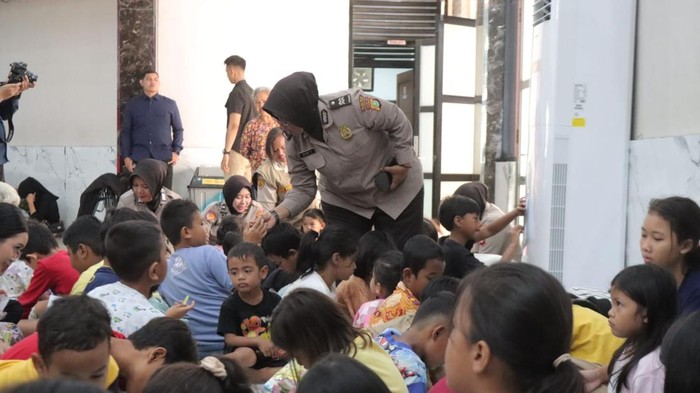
x: 440, y: 387
x: 53, y: 273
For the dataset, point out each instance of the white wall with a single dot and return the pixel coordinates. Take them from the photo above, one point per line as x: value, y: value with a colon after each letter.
x: 72, y: 46
x: 667, y: 97
x: 276, y: 37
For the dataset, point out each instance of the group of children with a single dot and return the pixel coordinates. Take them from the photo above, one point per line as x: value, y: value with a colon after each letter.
x: 144, y: 303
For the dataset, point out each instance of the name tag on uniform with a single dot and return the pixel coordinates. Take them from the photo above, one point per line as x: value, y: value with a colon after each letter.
x: 340, y: 102
x: 324, y: 117
x: 307, y: 153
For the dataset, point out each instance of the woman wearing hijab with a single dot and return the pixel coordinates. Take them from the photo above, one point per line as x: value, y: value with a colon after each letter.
x: 490, y: 213
x: 238, y: 195
x: 361, y: 147
x: 40, y: 202
x: 147, y: 191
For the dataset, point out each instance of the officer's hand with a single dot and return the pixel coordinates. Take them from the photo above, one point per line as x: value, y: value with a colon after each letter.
x: 255, y: 231
x: 224, y: 163
x: 398, y: 175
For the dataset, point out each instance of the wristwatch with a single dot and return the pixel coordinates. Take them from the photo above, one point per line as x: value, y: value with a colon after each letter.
x: 225, y: 151
x: 276, y: 215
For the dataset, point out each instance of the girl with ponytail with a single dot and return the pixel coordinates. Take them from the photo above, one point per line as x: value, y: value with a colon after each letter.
x: 670, y: 236
x: 512, y: 332
x: 325, y: 259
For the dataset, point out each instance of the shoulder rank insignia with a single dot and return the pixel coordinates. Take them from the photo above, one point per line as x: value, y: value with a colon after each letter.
x: 345, y: 132
x: 340, y: 102
x: 369, y: 103
x: 324, y: 117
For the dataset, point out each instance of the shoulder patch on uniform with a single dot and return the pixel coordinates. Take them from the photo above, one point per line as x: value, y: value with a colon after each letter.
x: 261, y: 183
x: 324, y: 117
x: 340, y: 102
x: 370, y: 103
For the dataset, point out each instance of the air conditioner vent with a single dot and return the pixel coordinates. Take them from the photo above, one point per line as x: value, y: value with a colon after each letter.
x: 543, y: 11
x: 557, y: 228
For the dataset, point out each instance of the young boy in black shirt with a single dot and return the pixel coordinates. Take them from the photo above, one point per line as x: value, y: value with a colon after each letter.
x: 245, y: 315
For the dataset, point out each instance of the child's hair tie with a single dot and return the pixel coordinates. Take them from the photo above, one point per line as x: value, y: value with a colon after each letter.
x: 214, y: 367
x: 561, y: 359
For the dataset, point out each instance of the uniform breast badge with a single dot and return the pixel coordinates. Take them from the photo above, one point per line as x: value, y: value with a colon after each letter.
x: 345, y: 132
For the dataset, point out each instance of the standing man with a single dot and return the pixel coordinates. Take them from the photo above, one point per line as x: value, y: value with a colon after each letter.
x: 151, y: 128
x: 239, y: 110
x: 9, y: 103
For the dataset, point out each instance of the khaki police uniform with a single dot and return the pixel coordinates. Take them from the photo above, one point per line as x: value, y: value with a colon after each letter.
x: 272, y: 185
x: 361, y: 135
x: 128, y: 199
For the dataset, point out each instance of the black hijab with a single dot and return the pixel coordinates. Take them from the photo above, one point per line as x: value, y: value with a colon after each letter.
x: 31, y: 185
x: 153, y: 173
x: 232, y: 187
x: 45, y: 203
x: 477, y: 191
x: 294, y: 99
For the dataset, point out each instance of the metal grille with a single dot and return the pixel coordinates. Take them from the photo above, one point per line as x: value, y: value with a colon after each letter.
x: 543, y: 11
x: 558, y: 220
x: 384, y: 32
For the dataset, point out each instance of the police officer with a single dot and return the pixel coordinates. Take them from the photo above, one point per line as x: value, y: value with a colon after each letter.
x: 361, y: 147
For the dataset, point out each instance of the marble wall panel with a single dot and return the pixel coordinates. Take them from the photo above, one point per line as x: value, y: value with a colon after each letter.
x: 659, y: 167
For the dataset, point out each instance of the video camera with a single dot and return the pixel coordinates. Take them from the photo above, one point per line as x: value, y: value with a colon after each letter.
x: 17, y: 72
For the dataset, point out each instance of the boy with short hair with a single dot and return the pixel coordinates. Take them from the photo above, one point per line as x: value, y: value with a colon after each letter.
x: 461, y: 216
x: 197, y: 270
x: 422, y: 347
x: 52, y: 267
x: 245, y: 315
x: 84, y: 246
x: 160, y: 342
x: 422, y: 261
x: 137, y: 253
x: 281, y: 246
x: 104, y: 274
x: 74, y: 342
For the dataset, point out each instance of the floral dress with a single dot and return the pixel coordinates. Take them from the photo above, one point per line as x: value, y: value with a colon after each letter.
x: 253, y: 141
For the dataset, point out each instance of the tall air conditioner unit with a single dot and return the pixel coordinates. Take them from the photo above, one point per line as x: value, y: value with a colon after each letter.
x: 580, y: 122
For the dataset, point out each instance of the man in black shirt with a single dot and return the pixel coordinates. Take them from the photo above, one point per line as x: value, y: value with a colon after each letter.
x: 239, y: 110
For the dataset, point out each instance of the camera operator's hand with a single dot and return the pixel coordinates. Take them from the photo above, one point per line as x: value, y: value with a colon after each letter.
x: 129, y: 164
x: 12, y: 89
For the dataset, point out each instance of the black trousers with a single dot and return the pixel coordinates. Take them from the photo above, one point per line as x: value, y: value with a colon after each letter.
x: 408, y: 224
x: 169, y: 177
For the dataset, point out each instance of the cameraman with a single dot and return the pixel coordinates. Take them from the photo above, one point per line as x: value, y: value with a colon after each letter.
x: 9, y: 103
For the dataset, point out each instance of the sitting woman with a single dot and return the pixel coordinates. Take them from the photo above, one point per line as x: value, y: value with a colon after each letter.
x: 272, y: 179
x: 38, y: 201
x: 238, y: 195
x: 147, y: 191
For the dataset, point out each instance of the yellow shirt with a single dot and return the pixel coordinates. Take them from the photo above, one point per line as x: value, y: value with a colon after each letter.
x: 16, y: 372
x: 592, y: 339
x: 85, y: 278
x: 374, y: 357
